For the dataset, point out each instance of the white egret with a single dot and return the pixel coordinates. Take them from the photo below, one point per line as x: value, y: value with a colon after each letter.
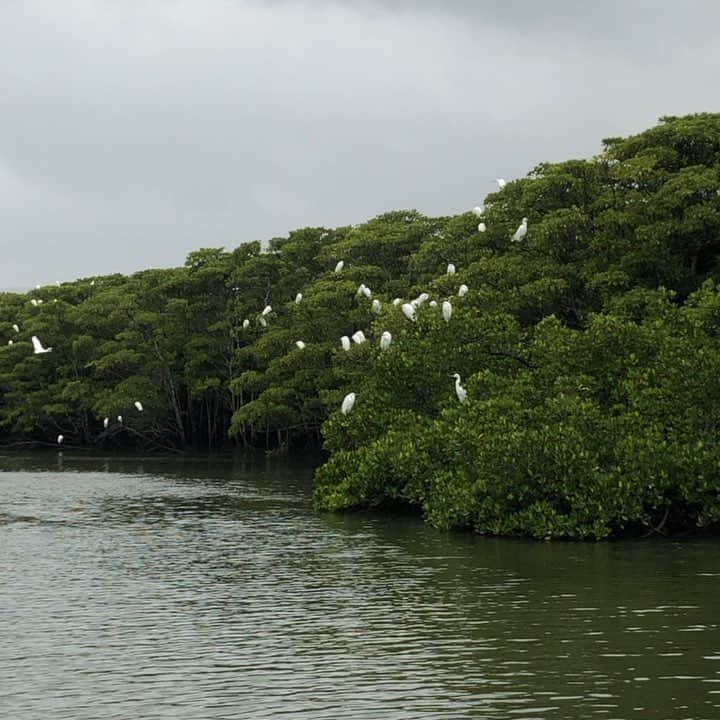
x: 10, y: 342
x: 120, y: 419
x: 246, y: 324
x: 376, y: 307
x: 385, y: 340
x: 16, y: 328
x: 408, y: 311
x: 347, y: 403
x: 138, y: 405
x: 359, y: 337
x: 446, y: 310
x: 420, y: 299
x: 397, y: 301
x: 92, y: 282
x: 57, y: 282
x: 266, y: 310
x: 360, y: 290
x: 34, y: 302
x: 478, y: 211
x: 460, y: 391
x: 500, y: 183
x: 482, y: 227
x: 367, y: 292
x: 521, y: 232
x: 462, y: 290
x: 339, y: 266
x: 38, y: 349
x: 298, y: 298
x: 106, y: 422
x: 433, y: 303
x: 60, y: 439
x: 450, y: 269
x: 301, y: 345
x: 345, y: 342
x: 262, y: 321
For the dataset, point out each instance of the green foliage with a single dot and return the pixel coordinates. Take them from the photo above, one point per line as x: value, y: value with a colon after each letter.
x: 590, y: 350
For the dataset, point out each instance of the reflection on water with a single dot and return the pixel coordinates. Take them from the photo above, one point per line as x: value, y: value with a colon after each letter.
x: 147, y: 588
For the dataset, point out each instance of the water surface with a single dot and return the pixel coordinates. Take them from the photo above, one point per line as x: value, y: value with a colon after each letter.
x: 197, y: 588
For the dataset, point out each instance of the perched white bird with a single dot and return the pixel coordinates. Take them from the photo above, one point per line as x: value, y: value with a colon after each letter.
x: 266, y: 310
x: 57, y: 282
x: 92, y: 282
x: 16, y: 328
x: 482, y: 227
x: 262, y: 321
x: 450, y: 269
x: 408, y: 311
x: 340, y: 266
x: 385, y: 340
x: 246, y: 324
x: 345, y: 342
x: 367, y: 292
x: 376, y: 307
x: 460, y: 391
x: 60, y: 438
x: 360, y: 290
x: 462, y: 290
x: 300, y: 344
x: 347, y: 403
x: 420, y: 299
x: 38, y: 349
x: 521, y: 232
x: 106, y: 422
x: 446, y: 310
x: 433, y: 303
x: 10, y: 342
x: 138, y: 405
x: 359, y: 337
x: 120, y: 419
x: 34, y: 302
x: 397, y: 301
x: 500, y: 183
x: 478, y: 211
x: 298, y: 298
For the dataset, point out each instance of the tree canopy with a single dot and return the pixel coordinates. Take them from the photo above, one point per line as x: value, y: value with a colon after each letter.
x: 589, y: 350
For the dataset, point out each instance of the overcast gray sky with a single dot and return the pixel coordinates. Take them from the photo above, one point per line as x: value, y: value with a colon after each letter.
x: 135, y: 131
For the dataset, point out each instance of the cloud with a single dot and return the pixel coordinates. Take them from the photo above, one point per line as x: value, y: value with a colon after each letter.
x: 134, y: 132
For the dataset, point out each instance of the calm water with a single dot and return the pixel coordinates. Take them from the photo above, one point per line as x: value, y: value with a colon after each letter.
x: 177, y: 589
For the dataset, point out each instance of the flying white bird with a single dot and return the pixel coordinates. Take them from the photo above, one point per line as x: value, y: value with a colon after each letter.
x: 460, y: 391
x: 521, y: 232
x: 298, y: 298
x: 266, y: 310
x: 16, y: 328
x: 408, y: 311
x: 106, y: 422
x: 340, y: 266
x: 359, y: 337
x: 60, y: 438
x: 450, y: 269
x: 462, y: 290
x: 37, y: 346
x: 138, y: 405
x: 446, y: 310
x: 300, y: 344
x: 246, y: 324
x: 376, y: 306
x: 345, y: 342
x: 347, y: 403
x: 478, y: 211
x: 482, y: 227
x: 385, y: 340
x: 500, y: 183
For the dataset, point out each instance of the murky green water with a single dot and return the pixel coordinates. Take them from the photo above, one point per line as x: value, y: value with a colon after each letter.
x: 198, y: 589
